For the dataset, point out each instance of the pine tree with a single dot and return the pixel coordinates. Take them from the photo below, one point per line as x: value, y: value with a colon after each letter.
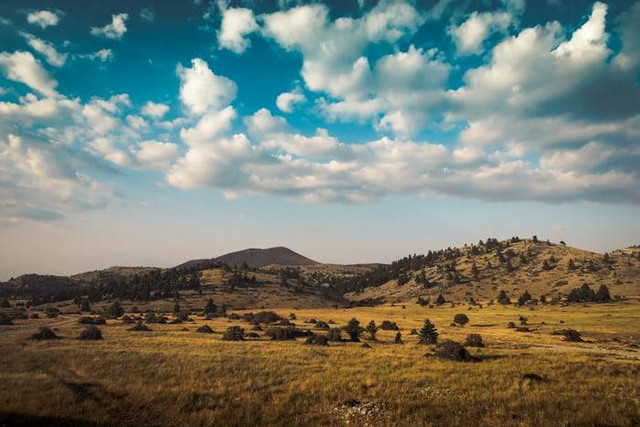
x: 372, y: 329
x: 353, y: 329
x: 210, y: 308
x: 176, y: 308
x: 428, y: 334
x: 440, y: 300
x: 398, y: 339
x: 85, y: 306
x: 503, y: 298
x: 603, y: 294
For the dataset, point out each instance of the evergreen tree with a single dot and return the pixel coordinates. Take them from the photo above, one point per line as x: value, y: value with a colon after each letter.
x: 461, y: 319
x: 210, y: 308
x: 353, y: 329
x: 176, y: 308
x: 440, y: 300
x: 603, y: 294
x: 428, y: 334
x: 503, y: 298
x: 372, y: 329
x: 85, y: 306
x: 398, y: 339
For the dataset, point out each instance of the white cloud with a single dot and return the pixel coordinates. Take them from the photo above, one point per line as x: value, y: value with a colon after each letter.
x: 50, y: 53
x: 156, y: 155
x: 147, y: 15
x: 102, y: 55
x: 201, y: 90
x: 115, y: 30
x: 209, y: 127
x: 286, y: 101
x: 43, y: 18
x: 264, y: 123
x: 24, y: 68
x: 471, y: 34
x: 236, y: 24
x: 155, y: 110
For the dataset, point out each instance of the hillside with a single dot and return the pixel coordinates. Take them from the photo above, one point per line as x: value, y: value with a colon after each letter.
x: 542, y: 268
x: 262, y: 257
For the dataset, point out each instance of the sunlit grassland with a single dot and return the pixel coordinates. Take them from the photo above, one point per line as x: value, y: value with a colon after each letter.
x: 171, y: 376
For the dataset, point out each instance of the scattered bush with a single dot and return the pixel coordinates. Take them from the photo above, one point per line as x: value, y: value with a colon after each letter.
x: 372, y: 329
x: 503, y: 298
x: 334, y: 334
x: 150, y: 318
x: 204, y: 329
x: 285, y: 333
x: 511, y: 325
x: 44, y: 333
x: 115, y: 310
x: 34, y: 316
x: 91, y: 333
x: 387, y: 325
x: 86, y: 320
x: 317, y: 339
x: 140, y: 327
x: 233, y: 333
x: 572, y: 335
x: 474, y: 340
x: 322, y: 325
x: 461, y: 319
x: 398, y: 339
x: 263, y: 317
x: 252, y: 335
x: 5, y: 320
x: 127, y: 320
x: 453, y: 351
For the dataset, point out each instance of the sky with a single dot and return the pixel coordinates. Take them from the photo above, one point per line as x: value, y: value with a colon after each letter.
x: 153, y: 132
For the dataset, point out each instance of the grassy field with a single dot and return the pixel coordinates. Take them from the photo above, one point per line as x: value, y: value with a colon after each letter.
x: 173, y: 375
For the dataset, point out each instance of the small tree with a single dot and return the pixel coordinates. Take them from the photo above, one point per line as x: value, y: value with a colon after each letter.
x: 526, y: 296
x: 176, y: 308
x: 90, y: 333
x: 603, y: 294
x: 461, y: 319
x: 5, y: 303
x: 353, y: 329
x: 116, y: 310
x: 398, y: 339
x: 372, y: 329
x: 334, y: 335
x: 440, y: 300
x: 474, y: 340
x: 503, y: 298
x: 210, y: 308
x: 85, y: 306
x: 428, y: 334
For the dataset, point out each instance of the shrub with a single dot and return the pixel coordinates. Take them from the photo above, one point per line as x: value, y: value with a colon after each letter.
x: 85, y: 307
x: 44, y: 333
x: 233, y: 333
x: 91, y: 333
x: 428, y: 334
x: 265, y: 317
x: 139, y: 327
x: 115, y: 310
x: 151, y: 318
x: 474, y: 340
x: 503, y: 298
x: 5, y: 303
x: 334, y: 334
x: 353, y: 329
x: 453, y: 351
x: 572, y: 335
x: 285, y: 333
x: 511, y: 325
x: 5, y: 320
x: 322, y: 325
x: 210, y: 307
x: 252, y: 335
x: 440, y: 300
x: 317, y: 339
x: 127, y: 320
x: 34, y: 316
x: 86, y: 320
x: 387, y: 325
x: 204, y: 329
x: 52, y: 312
x: 461, y: 319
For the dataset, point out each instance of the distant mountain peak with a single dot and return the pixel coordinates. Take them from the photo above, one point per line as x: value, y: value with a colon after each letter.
x: 256, y: 257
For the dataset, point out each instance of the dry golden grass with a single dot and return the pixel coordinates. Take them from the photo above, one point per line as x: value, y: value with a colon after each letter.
x: 172, y: 376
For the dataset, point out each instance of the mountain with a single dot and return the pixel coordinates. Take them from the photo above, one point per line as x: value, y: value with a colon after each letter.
x: 262, y: 257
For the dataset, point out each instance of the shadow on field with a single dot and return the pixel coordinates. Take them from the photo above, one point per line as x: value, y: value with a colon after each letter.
x: 14, y: 419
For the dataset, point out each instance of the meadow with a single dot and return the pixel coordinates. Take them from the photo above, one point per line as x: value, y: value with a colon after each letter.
x: 173, y: 375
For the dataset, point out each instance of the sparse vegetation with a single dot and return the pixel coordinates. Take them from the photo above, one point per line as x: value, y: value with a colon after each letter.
x: 90, y: 333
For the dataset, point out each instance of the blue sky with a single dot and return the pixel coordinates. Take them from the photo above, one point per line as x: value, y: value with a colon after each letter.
x: 156, y: 131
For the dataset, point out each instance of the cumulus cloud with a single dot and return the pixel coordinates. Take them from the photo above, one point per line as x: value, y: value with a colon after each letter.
x: 155, y: 110
x: 46, y: 49
x: 286, y: 101
x: 115, y: 30
x: 22, y: 67
x: 264, y: 123
x: 155, y: 154
x: 470, y: 35
x: 43, y: 18
x: 201, y: 90
x: 237, y: 24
